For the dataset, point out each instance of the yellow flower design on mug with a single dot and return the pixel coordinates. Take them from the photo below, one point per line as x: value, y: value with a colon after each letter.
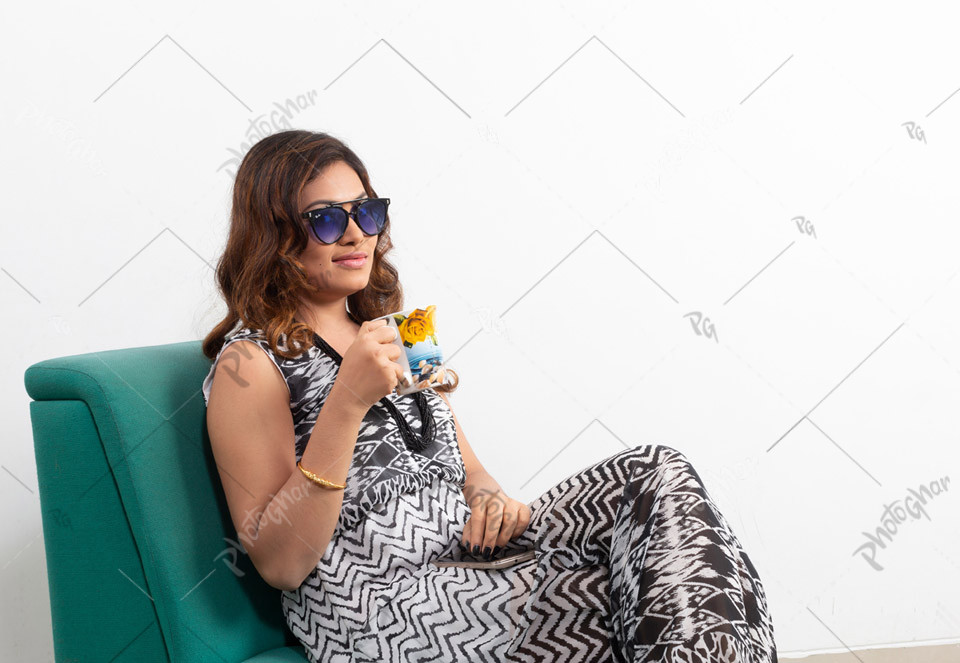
x: 417, y: 326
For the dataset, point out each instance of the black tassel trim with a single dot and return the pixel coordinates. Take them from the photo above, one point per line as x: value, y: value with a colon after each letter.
x: 428, y: 426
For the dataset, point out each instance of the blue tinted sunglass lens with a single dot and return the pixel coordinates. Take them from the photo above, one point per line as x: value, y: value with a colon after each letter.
x: 329, y: 225
x: 371, y: 216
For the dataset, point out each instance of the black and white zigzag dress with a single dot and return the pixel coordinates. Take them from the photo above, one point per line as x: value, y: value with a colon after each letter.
x: 634, y: 562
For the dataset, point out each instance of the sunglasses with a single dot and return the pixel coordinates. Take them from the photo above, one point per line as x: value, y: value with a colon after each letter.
x: 330, y: 222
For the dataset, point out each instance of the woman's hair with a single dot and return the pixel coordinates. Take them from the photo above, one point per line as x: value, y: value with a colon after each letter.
x: 259, y: 274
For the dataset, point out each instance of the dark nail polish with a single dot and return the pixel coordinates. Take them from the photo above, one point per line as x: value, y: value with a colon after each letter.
x: 476, y: 550
x: 465, y: 545
x: 496, y: 550
x: 486, y: 554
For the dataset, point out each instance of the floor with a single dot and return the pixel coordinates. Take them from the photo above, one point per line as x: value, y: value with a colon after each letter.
x: 937, y: 654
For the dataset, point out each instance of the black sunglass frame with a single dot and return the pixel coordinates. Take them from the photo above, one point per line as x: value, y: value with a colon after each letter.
x: 352, y: 214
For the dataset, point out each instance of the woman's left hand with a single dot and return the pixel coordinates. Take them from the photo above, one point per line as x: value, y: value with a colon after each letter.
x: 495, y: 518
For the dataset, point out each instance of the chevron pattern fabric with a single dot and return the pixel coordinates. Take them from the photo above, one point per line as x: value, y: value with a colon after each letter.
x: 634, y: 562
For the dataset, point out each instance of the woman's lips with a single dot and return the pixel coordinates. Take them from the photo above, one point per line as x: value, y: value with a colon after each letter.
x: 352, y: 262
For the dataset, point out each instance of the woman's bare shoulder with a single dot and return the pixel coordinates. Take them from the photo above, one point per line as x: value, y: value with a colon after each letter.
x: 245, y: 373
x: 243, y: 363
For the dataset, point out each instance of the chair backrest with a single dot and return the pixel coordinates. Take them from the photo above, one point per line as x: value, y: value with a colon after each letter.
x: 142, y: 555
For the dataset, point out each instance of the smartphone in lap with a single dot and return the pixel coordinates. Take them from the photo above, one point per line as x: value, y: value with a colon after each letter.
x: 502, y: 563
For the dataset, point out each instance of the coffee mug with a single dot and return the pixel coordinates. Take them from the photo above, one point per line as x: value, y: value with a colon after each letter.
x: 421, y: 359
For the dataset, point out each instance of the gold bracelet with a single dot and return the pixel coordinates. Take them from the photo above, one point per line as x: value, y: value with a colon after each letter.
x: 317, y: 480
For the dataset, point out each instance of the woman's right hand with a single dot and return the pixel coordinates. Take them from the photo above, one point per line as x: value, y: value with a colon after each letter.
x: 369, y: 370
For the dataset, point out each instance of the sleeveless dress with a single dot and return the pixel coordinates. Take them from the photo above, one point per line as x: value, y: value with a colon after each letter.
x: 633, y: 560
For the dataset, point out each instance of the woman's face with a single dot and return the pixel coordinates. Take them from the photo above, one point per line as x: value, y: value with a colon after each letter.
x: 337, y: 183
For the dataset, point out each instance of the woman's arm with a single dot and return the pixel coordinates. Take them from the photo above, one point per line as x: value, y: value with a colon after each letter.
x: 470, y: 461
x: 284, y: 521
x: 495, y: 518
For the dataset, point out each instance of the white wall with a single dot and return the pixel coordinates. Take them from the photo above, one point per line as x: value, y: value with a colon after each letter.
x: 695, y: 224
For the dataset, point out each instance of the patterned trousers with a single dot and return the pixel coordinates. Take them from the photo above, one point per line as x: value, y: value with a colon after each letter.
x: 634, y: 549
x: 634, y: 564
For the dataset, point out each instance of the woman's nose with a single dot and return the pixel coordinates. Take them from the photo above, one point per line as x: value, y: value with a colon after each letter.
x: 353, y: 231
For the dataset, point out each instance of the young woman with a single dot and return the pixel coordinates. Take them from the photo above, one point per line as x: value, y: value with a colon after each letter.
x: 344, y: 493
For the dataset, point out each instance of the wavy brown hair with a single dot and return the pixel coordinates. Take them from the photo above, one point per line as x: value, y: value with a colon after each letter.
x: 259, y: 274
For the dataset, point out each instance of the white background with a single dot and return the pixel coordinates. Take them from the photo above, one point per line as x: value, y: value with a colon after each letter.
x: 686, y: 223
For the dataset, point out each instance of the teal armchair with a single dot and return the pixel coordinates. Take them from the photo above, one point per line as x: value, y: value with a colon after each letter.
x: 143, y: 560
